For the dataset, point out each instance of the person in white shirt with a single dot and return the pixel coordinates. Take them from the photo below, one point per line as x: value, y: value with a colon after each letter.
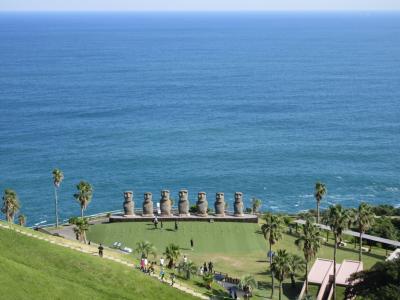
x: 185, y: 259
x: 162, y: 261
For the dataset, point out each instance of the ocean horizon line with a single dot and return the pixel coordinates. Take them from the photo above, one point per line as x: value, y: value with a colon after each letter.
x: 233, y: 11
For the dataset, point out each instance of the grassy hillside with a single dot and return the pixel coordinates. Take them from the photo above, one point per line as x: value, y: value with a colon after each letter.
x: 34, y: 269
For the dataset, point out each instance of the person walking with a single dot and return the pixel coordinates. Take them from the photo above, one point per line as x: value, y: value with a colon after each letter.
x: 155, y: 221
x: 210, y: 267
x: 172, y: 279
x: 145, y: 264
x: 176, y: 225
x: 142, y: 264
x: 191, y: 244
x: 205, y: 267
x: 101, y: 248
x: 162, y: 274
x: 162, y: 262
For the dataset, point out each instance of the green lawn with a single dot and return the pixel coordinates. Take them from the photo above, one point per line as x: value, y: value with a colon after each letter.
x: 35, y: 269
x: 234, y: 248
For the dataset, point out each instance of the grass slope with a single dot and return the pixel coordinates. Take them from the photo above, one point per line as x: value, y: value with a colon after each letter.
x: 34, y: 269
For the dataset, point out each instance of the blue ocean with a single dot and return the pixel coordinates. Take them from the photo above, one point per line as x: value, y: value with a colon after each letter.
x: 262, y: 103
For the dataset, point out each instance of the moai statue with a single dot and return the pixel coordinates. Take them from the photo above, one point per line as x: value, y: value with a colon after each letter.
x: 183, y: 203
x: 219, y: 204
x: 165, y: 204
x: 202, y: 204
x: 238, y: 205
x: 148, y: 205
x: 129, y: 205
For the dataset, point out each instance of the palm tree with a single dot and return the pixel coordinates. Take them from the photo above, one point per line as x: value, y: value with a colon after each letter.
x: 310, y: 242
x: 10, y: 204
x: 208, y: 279
x: 338, y: 222
x: 58, y: 177
x: 255, y: 205
x: 272, y: 231
x: 188, y: 268
x: 365, y: 219
x: 280, y: 267
x: 172, y: 254
x: 296, y: 264
x: 247, y: 283
x: 81, y: 226
x: 145, y: 248
x: 21, y: 220
x: 320, y: 192
x: 84, y: 195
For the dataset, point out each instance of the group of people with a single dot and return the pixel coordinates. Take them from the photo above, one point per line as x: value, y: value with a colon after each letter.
x: 156, y: 222
x: 206, y: 268
x: 147, y: 267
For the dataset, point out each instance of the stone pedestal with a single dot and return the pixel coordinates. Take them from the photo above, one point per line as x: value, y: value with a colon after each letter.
x: 129, y: 205
x: 148, y: 205
x: 238, y: 205
x: 165, y: 204
x: 219, y: 204
x: 202, y: 204
x: 183, y: 204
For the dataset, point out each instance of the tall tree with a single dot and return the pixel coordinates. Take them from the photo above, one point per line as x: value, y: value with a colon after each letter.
x: 319, y: 193
x: 382, y: 282
x: 310, y: 242
x: 145, y: 248
x: 58, y: 177
x: 10, y: 204
x: 296, y: 264
x: 84, y: 195
x: 255, y: 205
x: 338, y: 222
x: 365, y: 218
x: 272, y: 231
x: 81, y: 227
x: 21, y: 220
x: 208, y: 279
x: 188, y: 269
x: 280, y: 268
x: 172, y: 253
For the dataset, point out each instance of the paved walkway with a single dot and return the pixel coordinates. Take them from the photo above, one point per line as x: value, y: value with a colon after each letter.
x: 357, y: 234
x: 84, y: 248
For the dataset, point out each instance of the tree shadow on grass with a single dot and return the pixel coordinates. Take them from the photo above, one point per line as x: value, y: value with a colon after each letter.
x: 213, y: 293
x: 264, y: 289
x: 292, y: 292
x: 267, y: 272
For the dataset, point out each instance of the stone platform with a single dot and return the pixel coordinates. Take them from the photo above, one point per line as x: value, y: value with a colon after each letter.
x: 210, y: 218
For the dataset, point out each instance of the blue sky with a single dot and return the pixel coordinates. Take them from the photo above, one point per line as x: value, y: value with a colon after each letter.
x: 197, y: 5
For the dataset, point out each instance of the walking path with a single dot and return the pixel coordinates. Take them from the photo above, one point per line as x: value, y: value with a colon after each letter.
x: 357, y: 234
x: 89, y: 249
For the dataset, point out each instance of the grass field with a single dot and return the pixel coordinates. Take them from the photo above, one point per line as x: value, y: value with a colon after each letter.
x: 235, y: 248
x: 35, y: 269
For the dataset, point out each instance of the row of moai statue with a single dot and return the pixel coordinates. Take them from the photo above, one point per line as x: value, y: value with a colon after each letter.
x: 183, y: 204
